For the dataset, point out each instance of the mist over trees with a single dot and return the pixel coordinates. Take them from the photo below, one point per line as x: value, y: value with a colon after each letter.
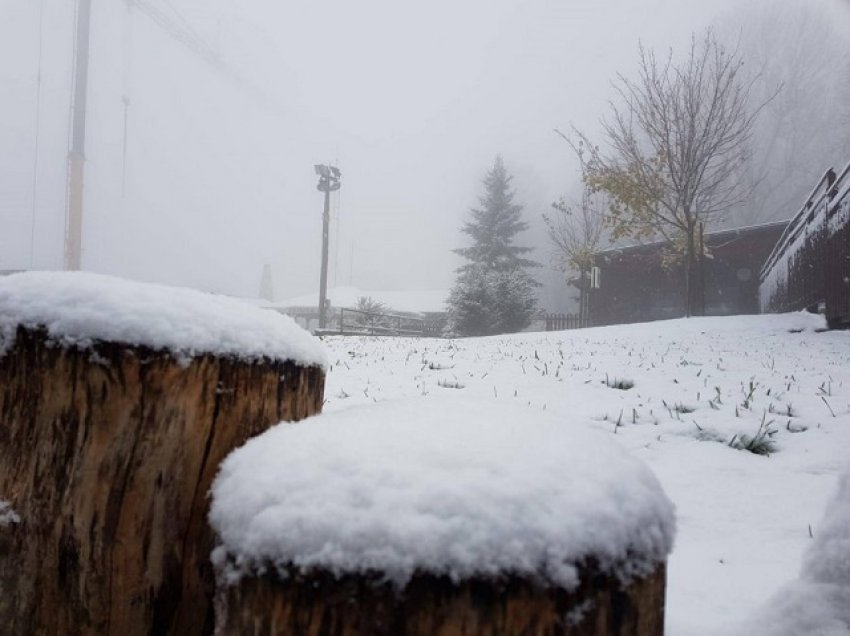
x: 799, y: 57
x: 734, y: 135
x: 676, y: 145
x: 493, y: 292
x: 575, y: 231
x: 205, y: 119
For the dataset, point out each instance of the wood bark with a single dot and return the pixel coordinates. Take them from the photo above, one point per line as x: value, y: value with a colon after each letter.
x: 107, y: 453
x: 320, y: 604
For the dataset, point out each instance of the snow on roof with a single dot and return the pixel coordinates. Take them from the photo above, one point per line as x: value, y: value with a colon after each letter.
x: 77, y: 308
x: 411, y: 301
x: 710, y: 235
x: 449, y: 486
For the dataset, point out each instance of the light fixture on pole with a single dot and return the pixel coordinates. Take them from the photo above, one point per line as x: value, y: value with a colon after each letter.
x: 328, y: 182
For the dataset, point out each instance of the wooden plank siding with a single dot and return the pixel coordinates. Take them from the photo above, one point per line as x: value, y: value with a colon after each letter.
x: 809, y: 268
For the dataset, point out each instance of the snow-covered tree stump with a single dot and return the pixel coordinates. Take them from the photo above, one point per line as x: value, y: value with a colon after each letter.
x: 117, y: 403
x: 356, y: 605
x: 439, y: 517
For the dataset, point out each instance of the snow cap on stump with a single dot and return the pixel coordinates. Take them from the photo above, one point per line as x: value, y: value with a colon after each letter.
x: 78, y: 308
x: 446, y: 486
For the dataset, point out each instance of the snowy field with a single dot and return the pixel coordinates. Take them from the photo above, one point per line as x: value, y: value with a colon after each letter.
x: 703, y: 390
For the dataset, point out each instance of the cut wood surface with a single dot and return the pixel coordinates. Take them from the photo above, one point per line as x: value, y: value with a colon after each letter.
x: 107, y: 454
x: 320, y: 604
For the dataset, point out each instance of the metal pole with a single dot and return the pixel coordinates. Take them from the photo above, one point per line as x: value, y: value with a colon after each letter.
x: 76, y: 156
x: 323, y: 282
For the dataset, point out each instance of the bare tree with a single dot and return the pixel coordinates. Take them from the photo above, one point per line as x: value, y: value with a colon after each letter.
x: 370, y: 312
x: 800, y: 50
x: 677, y: 145
x: 575, y: 231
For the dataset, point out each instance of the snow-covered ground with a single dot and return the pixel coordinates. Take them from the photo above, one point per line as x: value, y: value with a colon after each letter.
x: 691, y: 398
x: 744, y: 519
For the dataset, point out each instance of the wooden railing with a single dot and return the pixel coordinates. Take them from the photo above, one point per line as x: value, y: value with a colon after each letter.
x: 357, y: 322
x: 810, y: 266
x: 562, y: 322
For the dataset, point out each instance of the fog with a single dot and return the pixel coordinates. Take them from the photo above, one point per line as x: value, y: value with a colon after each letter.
x: 205, y: 118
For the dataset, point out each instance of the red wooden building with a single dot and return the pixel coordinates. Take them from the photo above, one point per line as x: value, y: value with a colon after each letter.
x: 636, y: 285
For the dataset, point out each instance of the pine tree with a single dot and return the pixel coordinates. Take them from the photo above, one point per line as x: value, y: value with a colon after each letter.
x: 493, y: 292
x: 471, y: 302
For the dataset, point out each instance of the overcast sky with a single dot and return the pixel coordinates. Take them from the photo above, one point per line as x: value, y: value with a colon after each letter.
x: 214, y: 177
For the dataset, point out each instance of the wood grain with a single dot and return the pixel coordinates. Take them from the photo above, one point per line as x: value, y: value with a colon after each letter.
x: 107, y: 454
x: 319, y: 604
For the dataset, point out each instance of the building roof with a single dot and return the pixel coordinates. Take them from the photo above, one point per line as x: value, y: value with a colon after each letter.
x: 715, y: 237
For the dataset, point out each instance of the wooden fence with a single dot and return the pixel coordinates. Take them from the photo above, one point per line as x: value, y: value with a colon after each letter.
x: 356, y: 322
x: 810, y: 266
x: 562, y: 322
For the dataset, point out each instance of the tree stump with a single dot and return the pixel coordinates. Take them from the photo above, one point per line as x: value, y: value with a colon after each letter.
x: 438, y: 517
x: 107, y: 454
x: 319, y: 603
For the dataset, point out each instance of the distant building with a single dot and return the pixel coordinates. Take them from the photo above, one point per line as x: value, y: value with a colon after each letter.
x: 636, y: 286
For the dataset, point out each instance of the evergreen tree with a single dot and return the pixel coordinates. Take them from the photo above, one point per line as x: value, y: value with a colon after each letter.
x: 471, y: 302
x: 493, y: 292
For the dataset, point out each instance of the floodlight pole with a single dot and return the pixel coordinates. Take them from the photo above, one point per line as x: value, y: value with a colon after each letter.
x: 328, y: 182
x: 323, y: 283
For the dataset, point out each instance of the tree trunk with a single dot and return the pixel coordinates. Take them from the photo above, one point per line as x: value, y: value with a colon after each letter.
x: 107, y: 455
x: 701, y: 262
x: 320, y: 603
x: 584, y: 284
x: 691, y: 304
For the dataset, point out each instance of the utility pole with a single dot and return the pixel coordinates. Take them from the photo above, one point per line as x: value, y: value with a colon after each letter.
x: 172, y: 24
x: 328, y: 182
x: 77, y: 154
